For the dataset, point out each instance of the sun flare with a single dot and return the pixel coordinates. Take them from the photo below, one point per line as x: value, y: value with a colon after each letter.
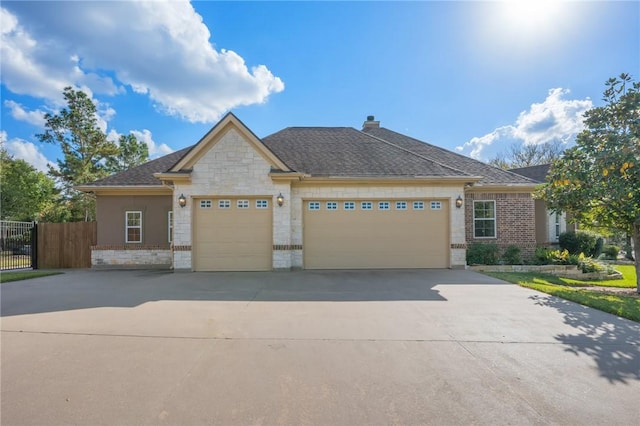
x: 526, y: 15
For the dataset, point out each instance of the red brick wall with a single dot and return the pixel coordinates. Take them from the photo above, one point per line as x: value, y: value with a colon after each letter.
x: 515, y: 217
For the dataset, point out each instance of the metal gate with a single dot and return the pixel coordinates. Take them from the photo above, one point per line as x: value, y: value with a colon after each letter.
x: 18, y: 245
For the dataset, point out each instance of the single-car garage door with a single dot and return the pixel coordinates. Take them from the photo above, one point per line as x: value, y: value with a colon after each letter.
x: 352, y: 234
x: 232, y: 234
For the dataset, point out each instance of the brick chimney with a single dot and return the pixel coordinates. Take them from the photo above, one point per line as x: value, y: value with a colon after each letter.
x: 371, y: 123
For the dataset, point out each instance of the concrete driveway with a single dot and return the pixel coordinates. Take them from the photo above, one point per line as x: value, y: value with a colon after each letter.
x: 335, y: 348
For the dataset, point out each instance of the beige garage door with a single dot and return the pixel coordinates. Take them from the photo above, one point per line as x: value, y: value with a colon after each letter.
x: 353, y: 234
x: 232, y: 234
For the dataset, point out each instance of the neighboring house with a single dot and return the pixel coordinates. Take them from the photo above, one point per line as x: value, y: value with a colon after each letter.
x: 308, y: 197
x: 549, y: 225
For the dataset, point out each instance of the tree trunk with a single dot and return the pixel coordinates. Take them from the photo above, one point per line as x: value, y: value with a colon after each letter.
x: 636, y: 253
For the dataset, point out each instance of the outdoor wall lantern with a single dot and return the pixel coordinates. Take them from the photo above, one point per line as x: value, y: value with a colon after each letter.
x: 182, y: 200
x: 459, y: 202
x: 280, y: 199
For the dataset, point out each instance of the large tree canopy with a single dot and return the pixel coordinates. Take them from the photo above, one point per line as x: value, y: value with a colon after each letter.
x: 599, y: 178
x: 85, y: 148
x: 131, y: 153
x: 26, y: 192
x: 521, y: 155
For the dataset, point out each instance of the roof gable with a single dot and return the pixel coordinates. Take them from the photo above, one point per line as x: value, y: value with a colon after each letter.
x: 217, y: 132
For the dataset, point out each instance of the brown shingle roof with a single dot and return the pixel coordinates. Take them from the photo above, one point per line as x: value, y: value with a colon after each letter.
x: 491, y: 175
x: 143, y: 174
x: 345, y: 151
x: 537, y: 173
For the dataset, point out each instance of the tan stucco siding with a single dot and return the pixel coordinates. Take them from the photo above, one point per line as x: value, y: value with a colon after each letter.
x: 111, y: 218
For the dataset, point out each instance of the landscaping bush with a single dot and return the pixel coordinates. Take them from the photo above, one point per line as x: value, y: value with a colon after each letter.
x: 611, y: 252
x: 542, y: 256
x: 482, y: 254
x: 597, y: 251
x: 512, y: 256
x: 579, y: 242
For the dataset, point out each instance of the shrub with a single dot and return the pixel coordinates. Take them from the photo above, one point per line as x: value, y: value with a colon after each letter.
x: 597, y: 251
x: 512, y: 256
x: 579, y: 242
x: 542, y: 256
x: 482, y: 254
x: 611, y: 252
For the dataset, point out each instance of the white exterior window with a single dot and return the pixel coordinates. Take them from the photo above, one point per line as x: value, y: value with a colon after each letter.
x: 314, y: 205
x: 484, y: 219
x: 401, y: 205
x: 170, y: 226
x: 383, y: 205
x: 205, y: 204
x: 418, y: 205
x: 262, y: 204
x: 133, y: 227
x: 224, y: 204
x: 332, y: 205
x: 243, y: 204
x: 349, y: 205
x: 366, y: 205
x: 436, y: 205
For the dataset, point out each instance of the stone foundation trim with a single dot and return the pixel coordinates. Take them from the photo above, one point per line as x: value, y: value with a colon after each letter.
x: 181, y: 248
x: 130, y: 247
x: 459, y: 246
x: 287, y: 247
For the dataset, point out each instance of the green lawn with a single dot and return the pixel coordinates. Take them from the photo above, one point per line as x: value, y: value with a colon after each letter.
x: 617, y: 304
x: 6, y: 277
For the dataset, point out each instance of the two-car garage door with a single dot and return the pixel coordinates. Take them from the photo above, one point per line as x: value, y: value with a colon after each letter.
x: 352, y: 234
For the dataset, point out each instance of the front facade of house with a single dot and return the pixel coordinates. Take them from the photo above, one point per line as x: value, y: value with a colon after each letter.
x: 549, y: 224
x: 310, y: 198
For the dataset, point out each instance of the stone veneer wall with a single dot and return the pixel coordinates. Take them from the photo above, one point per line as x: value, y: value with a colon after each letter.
x: 232, y: 167
x: 142, y: 257
x: 515, y: 220
x: 457, y: 258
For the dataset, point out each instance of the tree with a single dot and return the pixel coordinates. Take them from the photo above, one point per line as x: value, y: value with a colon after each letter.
x: 85, y: 148
x: 521, y: 155
x: 26, y: 192
x: 131, y: 153
x: 599, y: 178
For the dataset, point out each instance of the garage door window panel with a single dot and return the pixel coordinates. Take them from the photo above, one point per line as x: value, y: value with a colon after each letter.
x: 133, y: 231
x: 314, y: 205
x: 484, y: 219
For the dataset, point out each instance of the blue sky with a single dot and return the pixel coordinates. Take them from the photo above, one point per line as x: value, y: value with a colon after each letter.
x: 470, y: 76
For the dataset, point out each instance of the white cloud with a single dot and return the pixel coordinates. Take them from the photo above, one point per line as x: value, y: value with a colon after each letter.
x: 555, y: 119
x: 161, y: 49
x: 27, y: 151
x: 155, y: 150
x: 145, y: 136
x: 35, y: 117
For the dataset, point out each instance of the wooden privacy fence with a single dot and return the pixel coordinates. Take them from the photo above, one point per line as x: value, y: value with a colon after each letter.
x: 66, y: 245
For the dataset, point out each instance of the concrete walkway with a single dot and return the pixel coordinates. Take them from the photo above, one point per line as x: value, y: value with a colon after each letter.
x: 334, y: 347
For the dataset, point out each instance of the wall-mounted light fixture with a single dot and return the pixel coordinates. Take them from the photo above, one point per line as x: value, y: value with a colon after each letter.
x: 182, y: 200
x: 280, y: 199
x: 459, y: 202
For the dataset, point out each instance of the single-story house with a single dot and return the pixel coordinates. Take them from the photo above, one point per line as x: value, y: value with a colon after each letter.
x: 308, y: 197
x: 549, y: 224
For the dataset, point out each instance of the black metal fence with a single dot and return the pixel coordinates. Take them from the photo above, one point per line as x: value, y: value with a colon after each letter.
x: 18, y: 245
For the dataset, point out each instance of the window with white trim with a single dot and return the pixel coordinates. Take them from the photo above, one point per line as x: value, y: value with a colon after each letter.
x: 224, y: 204
x: 314, y: 205
x: 366, y: 205
x: 206, y: 204
x: 484, y: 219
x: 170, y: 225
x: 383, y: 205
x: 557, y: 226
x: 401, y: 205
x: 349, y: 205
x: 436, y: 205
x: 133, y: 227
x: 242, y: 204
x: 262, y: 204
x: 418, y: 205
x: 332, y: 205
